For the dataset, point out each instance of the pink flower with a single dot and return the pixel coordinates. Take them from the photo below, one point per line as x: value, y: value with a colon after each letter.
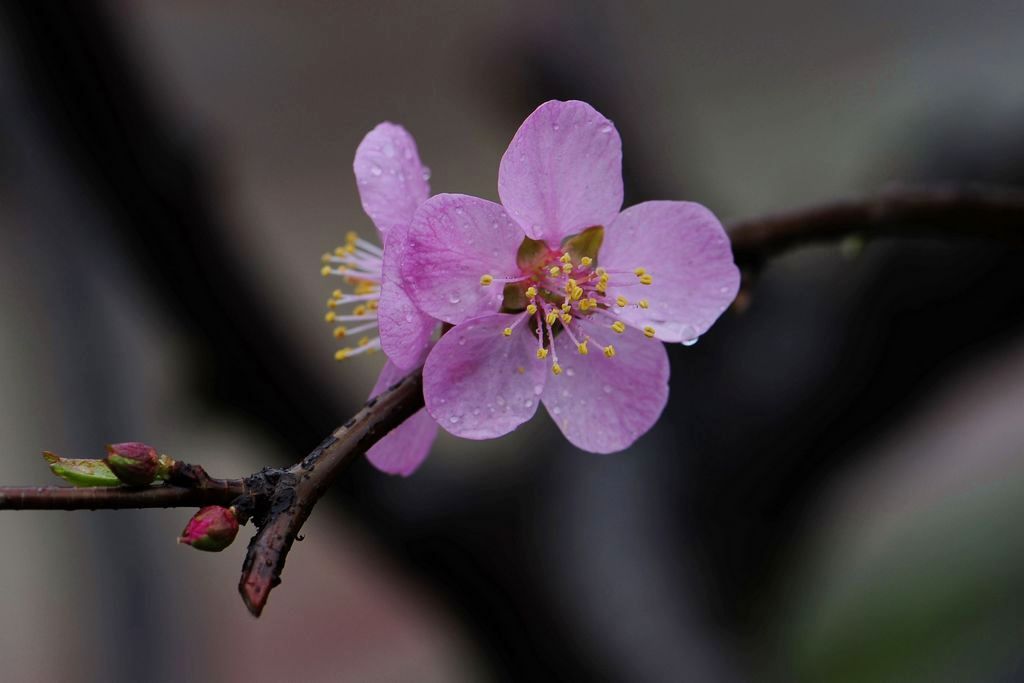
x: 556, y: 296
x: 392, y: 183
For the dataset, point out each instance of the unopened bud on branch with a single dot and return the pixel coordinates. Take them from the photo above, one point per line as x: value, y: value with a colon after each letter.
x: 134, y: 463
x: 213, y: 528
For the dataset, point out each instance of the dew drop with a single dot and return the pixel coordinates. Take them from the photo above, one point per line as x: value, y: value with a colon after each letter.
x: 528, y: 403
x: 557, y: 410
x: 538, y: 389
x: 454, y: 298
x: 500, y: 401
x: 426, y: 173
x: 462, y: 341
x: 476, y: 411
x: 453, y: 419
x: 607, y: 388
x: 606, y: 129
x: 689, y: 335
x: 570, y: 372
x: 565, y: 393
x: 389, y: 150
x: 690, y: 342
x: 459, y: 210
x: 408, y: 317
x: 376, y: 170
x: 554, y: 126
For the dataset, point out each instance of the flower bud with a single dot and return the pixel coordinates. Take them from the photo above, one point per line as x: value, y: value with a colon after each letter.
x: 213, y: 528
x: 134, y: 463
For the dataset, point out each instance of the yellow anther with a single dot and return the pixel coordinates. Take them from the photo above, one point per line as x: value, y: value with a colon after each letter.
x: 619, y: 326
x: 542, y: 353
x: 585, y: 304
x: 340, y: 251
x: 601, y: 287
x: 531, y: 292
x: 339, y: 332
x: 366, y: 288
x: 566, y: 319
x: 567, y: 268
x: 582, y: 348
x: 601, y: 271
x: 332, y: 303
x: 521, y: 370
x: 621, y: 301
x: 350, y: 249
x: 577, y: 293
x: 325, y: 271
x: 570, y: 284
x: 649, y: 331
x: 531, y: 309
x: 586, y: 261
x: 329, y: 317
x: 646, y: 279
x: 337, y: 294
x: 551, y: 318
x: 351, y: 236
x: 372, y: 305
x: 592, y: 302
x: 359, y: 310
x: 566, y: 307
x: 556, y: 368
x: 609, y: 351
x: 644, y: 303
x: 639, y: 271
x: 603, y: 278
x: 486, y: 280
x: 555, y: 271
x: 565, y: 258
x: 507, y: 332
x: 325, y: 257
x: 341, y: 354
x: 364, y: 341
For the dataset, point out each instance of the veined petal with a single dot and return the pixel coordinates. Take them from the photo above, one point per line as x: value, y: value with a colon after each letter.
x: 453, y: 241
x: 406, y: 446
x: 479, y: 383
x: 391, y: 179
x: 405, y: 331
x: 562, y: 172
x: 685, y: 250
x: 602, y: 404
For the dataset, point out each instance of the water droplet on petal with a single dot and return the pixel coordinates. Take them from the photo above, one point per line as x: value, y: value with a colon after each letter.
x: 557, y: 410
x: 689, y: 335
x: 426, y: 173
x: 607, y: 388
x: 376, y: 170
x: 690, y: 342
x: 538, y: 389
x: 570, y: 372
x: 500, y: 401
x: 462, y: 341
x: 606, y: 129
x: 454, y: 298
x: 453, y: 419
x: 408, y: 317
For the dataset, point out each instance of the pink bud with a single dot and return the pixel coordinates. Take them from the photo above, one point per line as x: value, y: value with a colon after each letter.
x: 133, y: 463
x: 213, y: 528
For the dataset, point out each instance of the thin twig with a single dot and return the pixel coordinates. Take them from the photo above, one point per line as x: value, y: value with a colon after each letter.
x: 966, y: 211
x: 303, y: 485
x: 118, y: 497
x: 280, y: 501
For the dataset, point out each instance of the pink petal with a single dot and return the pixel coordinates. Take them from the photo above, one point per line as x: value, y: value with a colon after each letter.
x: 480, y: 384
x: 685, y: 250
x: 562, y: 172
x: 391, y: 180
x: 406, y: 446
x: 455, y: 239
x: 601, y: 404
x: 405, y: 331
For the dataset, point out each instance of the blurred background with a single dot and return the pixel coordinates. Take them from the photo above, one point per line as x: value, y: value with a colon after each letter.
x: 833, y: 494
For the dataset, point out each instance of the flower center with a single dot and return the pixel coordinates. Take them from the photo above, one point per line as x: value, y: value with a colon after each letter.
x: 558, y: 287
x: 359, y: 264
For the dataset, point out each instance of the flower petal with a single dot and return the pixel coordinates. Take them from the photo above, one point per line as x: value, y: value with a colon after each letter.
x: 480, y: 384
x: 455, y: 239
x: 687, y: 253
x: 601, y: 404
x: 406, y: 446
x: 405, y: 331
x: 391, y: 179
x: 562, y: 172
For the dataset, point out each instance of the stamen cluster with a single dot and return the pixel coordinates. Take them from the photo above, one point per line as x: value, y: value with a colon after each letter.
x: 359, y: 264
